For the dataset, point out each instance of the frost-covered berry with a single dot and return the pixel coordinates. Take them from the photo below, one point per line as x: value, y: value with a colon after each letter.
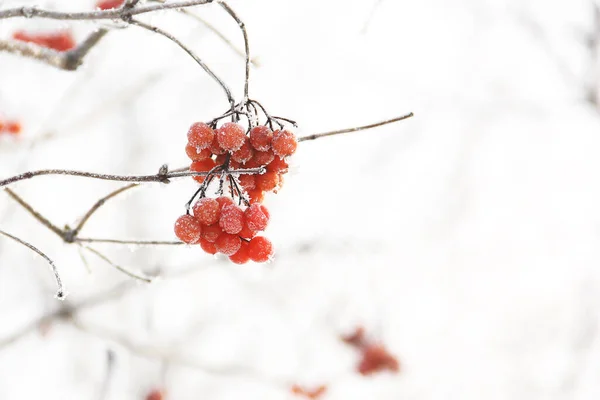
x: 244, y: 153
x: 241, y: 256
x: 228, y: 244
x: 256, y: 217
x: 232, y: 219
x: 210, y: 233
x: 207, y: 211
x: 208, y: 247
x: 188, y: 229
x: 260, y: 249
x: 260, y: 138
x: 267, y: 181
x: 284, y: 143
x: 200, y: 135
x: 231, y: 136
x: 263, y: 157
x: 202, y: 166
x: 197, y: 154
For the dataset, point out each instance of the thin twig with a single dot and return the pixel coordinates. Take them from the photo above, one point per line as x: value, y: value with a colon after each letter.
x: 131, y: 242
x: 116, y: 13
x: 43, y: 220
x: 110, y: 364
x: 205, y: 67
x: 124, y: 270
x: 99, y: 204
x: 61, y: 294
x: 355, y: 129
x: 246, y: 45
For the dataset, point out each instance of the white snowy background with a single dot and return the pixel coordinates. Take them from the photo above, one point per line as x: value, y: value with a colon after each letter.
x: 466, y: 239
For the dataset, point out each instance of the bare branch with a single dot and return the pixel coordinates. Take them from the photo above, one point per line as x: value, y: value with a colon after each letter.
x: 124, y: 270
x: 43, y: 220
x: 246, y: 45
x: 61, y: 294
x: 117, y: 13
x: 162, y: 177
x: 131, y: 242
x: 355, y: 129
x: 189, y: 52
x: 99, y: 204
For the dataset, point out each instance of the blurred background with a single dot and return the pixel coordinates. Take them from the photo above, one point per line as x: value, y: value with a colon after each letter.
x: 463, y: 240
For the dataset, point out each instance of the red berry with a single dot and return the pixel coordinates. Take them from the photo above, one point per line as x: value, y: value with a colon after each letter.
x: 207, y: 211
x: 13, y: 127
x: 109, y: 4
x: 208, y: 247
x: 244, y: 153
x: 215, y: 147
x: 284, y: 143
x: 263, y: 157
x: 257, y: 217
x: 246, y: 232
x: 196, y: 154
x: 224, y: 201
x: 59, y: 41
x: 232, y: 219
x: 260, y: 138
x: 200, y: 135
x: 278, y: 165
x: 313, y: 394
x: 211, y: 233
x: 247, y: 181
x: 256, y: 196
x: 260, y: 249
x: 267, y: 181
x: 228, y: 244
x: 376, y: 358
x: 231, y: 136
x: 202, y: 166
x: 188, y: 229
x: 241, y: 256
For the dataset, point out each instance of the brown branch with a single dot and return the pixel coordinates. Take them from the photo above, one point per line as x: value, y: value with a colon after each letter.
x: 355, y: 129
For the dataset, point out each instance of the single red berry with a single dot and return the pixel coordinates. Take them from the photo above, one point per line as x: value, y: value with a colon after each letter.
x: 232, y: 219
x: 207, y: 211
x: 267, y: 181
x: 278, y: 165
x: 188, y: 229
x: 244, y: 153
x: 246, y: 232
x: 202, y: 166
x: 13, y: 127
x: 231, y: 136
x: 197, y: 154
x: 109, y: 4
x: 241, y: 256
x: 260, y: 249
x: 224, y: 201
x: 228, y: 244
x: 260, y: 138
x: 284, y: 143
x: 200, y: 135
x: 256, y: 196
x: 257, y: 217
x: 208, y: 247
x: 210, y: 233
x: 376, y: 358
x: 59, y: 41
x: 215, y: 147
x: 247, y: 181
x: 263, y: 157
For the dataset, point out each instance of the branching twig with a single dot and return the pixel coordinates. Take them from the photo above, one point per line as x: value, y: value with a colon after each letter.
x: 118, y: 267
x: 61, y: 294
x: 68, y: 60
x: 355, y: 129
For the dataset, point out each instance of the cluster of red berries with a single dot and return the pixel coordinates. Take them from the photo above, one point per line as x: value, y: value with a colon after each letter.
x: 220, y: 226
x: 10, y: 127
x: 59, y: 41
x: 374, y: 357
x: 261, y: 147
x: 109, y: 4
